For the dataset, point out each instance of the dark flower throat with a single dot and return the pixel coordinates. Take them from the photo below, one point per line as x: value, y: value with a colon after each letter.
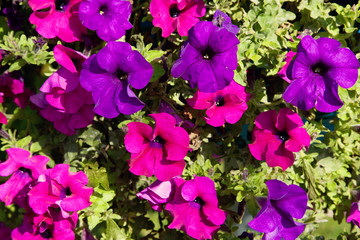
x: 103, y: 9
x: 60, y: 5
x: 208, y: 53
x: 174, y: 11
x: 319, y: 68
x: 25, y: 170
x: 158, y: 142
x: 199, y: 201
x: 220, y: 101
x: 284, y: 136
x: 121, y: 75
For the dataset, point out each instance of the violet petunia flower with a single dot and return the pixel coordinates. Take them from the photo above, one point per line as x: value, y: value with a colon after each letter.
x: 63, y: 100
x: 195, y: 208
x: 275, y: 218
x: 60, y: 188
x: 158, y: 151
x: 166, y: 108
x: 158, y: 193
x: 57, y: 18
x: 208, y: 59
x: 227, y: 104
x: 320, y: 66
x: 48, y: 226
x: 354, y: 216
x: 5, y: 232
x: 109, y: 75
x: 110, y: 18
x: 222, y: 20
x: 276, y: 136
x: 14, y: 89
x: 24, y: 169
x: 180, y: 14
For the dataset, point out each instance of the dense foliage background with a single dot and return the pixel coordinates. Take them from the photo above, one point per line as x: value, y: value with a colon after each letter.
x: 328, y: 171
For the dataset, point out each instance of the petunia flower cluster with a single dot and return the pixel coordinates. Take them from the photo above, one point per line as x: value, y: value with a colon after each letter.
x: 51, y: 197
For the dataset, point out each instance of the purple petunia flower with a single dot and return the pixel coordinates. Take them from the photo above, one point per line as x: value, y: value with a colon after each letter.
x: 109, y: 75
x: 320, y: 66
x: 48, y: 226
x: 59, y: 187
x: 283, y: 204
x: 222, y: 20
x: 110, y: 18
x: 277, y: 136
x: 354, y: 214
x: 166, y: 108
x: 227, y: 104
x: 209, y: 57
x: 24, y: 169
x: 195, y: 208
x: 158, y: 193
x: 5, y: 232
x: 158, y: 151
x: 63, y: 100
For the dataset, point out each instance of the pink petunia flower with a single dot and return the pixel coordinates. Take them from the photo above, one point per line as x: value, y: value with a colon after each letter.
x: 57, y: 18
x: 282, y: 72
x: 60, y: 187
x: 195, y: 208
x: 48, y: 226
x: 276, y: 136
x: 158, y: 193
x: 3, y: 118
x: 180, y: 14
x: 158, y: 151
x: 227, y: 104
x: 24, y: 169
x: 62, y: 99
x: 14, y: 89
x: 354, y: 216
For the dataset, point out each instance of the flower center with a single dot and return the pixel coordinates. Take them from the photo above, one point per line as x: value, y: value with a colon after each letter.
x: 103, y: 9
x: 121, y: 75
x: 220, y: 101
x: 174, y: 11
x: 284, y: 136
x: 60, y: 5
x: 199, y: 201
x: 25, y: 170
x: 68, y: 191
x: 208, y: 53
x: 46, y: 234
x: 158, y: 142
x: 319, y: 68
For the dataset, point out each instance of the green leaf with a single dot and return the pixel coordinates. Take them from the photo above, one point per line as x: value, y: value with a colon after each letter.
x: 18, y: 64
x: 113, y: 232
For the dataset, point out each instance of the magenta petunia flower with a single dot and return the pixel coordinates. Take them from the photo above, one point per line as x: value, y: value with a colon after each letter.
x: 57, y: 18
x: 62, y: 99
x: 275, y: 218
x: 354, y: 216
x: 5, y: 232
x: 14, y: 89
x: 109, y: 75
x: 222, y: 20
x: 48, y: 226
x: 283, y: 70
x: 158, y: 193
x: 24, y: 169
x: 59, y: 187
x: 208, y: 59
x: 320, y: 66
x: 180, y: 14
x: 277, y: 136
x: 110, y: 18
x: 3, y: 118
x: 158, y: 151
x: 195, y: 208
x: 227, y: 104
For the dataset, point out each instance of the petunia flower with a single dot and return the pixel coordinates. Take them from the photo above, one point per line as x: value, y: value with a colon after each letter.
x: 60, y: 188
x: 275, y: 218
x: 48, y: 226
x: 195, y: 208
x: 320, y: 66
x: 3, y: 118
x: 109, y: 75
x: 227, y: 104
x: 180, y: 14
x: 222, y: 20
x: 158, y: 193
x: 24, y: 170
x: 166, y: 108
x: 276, y: 136
x: 208, y: 59
x: 5, y: 232
x: 57, y: 18
x: 158, y: 151
x: 14, y: 89
x: 354, y: 216
x: 110, y: 18
x: 63, y: 100
x: 282, y: 73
